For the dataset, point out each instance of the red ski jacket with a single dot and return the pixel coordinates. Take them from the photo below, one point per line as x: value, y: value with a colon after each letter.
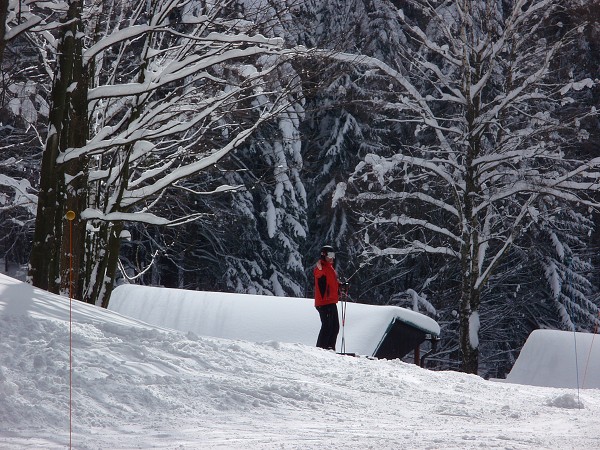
x: 326, y: 284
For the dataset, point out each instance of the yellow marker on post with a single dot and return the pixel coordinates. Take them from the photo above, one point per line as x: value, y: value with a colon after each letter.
x: 70, y: 215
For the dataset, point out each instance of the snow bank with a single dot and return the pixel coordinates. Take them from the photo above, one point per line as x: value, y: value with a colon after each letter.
x: 20, y: 299
x: 137, y: 386
x: 259, y: 318
x: 548, y: 358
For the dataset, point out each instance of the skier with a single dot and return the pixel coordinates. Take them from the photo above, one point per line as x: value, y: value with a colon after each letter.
x: 326, y: 298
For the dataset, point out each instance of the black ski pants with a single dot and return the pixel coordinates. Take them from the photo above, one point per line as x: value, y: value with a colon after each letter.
x: 330, y: 326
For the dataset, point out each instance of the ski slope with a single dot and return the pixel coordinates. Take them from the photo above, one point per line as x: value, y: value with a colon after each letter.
x: 141, y: 386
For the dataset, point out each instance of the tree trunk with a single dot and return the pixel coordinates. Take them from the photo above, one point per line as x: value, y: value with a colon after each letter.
x: 470, y: 295
x: 3, y: 17
x: 103, y: 247
x: 76, y: 172
x: 105, y: 253
x: 469, y: 305
x: 60, y: 190
x: 469, y: 298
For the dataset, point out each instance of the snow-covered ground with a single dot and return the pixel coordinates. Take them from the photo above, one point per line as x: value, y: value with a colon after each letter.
x: 140, y: 386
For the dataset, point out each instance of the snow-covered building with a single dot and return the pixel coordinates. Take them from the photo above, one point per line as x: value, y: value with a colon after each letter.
x: 561, y: 359
x: 379, y: 331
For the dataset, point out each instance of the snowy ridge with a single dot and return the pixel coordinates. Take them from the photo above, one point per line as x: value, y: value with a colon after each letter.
x: 139, y: 386
x: 259, y: 318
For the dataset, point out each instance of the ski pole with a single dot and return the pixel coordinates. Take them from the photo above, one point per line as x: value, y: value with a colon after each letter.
x: 344, y: 306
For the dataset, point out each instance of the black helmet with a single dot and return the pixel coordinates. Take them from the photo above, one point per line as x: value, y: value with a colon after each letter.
x: 327, y: 249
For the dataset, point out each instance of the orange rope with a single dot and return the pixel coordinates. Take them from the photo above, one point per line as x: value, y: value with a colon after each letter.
x: 70, y: 333
x: 70, y: 216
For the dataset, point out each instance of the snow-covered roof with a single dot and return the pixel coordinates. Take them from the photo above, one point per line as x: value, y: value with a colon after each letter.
x: 560, y: 359
x: 258, y: 318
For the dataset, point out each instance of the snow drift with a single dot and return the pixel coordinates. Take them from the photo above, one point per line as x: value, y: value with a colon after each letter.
x: 259, y: 318
x: 140, y: 386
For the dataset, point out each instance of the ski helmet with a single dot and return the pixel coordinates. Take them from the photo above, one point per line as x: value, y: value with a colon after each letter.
x: 327, y: 250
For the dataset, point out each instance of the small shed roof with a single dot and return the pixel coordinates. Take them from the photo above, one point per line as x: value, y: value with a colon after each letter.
x: 260, y: 318
x: 561, y: 359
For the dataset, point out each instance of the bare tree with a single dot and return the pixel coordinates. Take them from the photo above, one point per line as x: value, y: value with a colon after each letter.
x: 482, y: 88
x: 146, y: 95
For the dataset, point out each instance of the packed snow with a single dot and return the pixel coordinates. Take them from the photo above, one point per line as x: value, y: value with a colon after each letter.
x: 141, y: 386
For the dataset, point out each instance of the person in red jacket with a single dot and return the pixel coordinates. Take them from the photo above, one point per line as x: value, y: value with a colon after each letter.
x: 326, y: 298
